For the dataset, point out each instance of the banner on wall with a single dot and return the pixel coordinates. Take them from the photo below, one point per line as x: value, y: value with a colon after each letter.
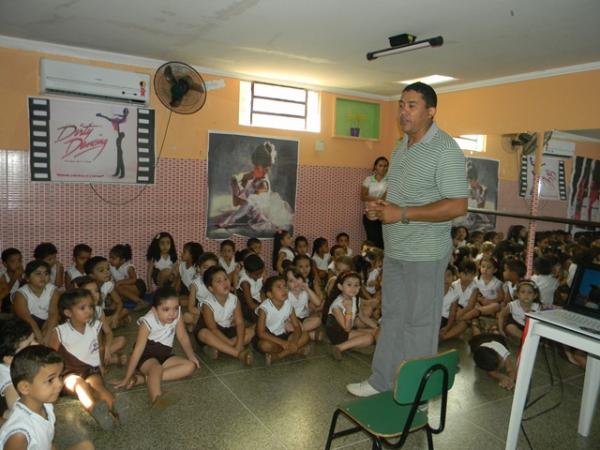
x: 482, y: 176
x: 90, y: 142
x: 553, y: 182
x: 251, y: 185
x: 585, y: 190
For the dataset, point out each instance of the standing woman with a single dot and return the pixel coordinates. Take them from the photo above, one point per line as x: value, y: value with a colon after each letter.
x: 374, y: 188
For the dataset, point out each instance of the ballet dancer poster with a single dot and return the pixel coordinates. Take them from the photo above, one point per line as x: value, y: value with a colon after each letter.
x: 90, y: 142
x: 251, y: 185
x: 585, y: 190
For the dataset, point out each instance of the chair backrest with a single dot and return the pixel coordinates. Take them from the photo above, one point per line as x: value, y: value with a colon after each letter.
x: 410, y: 374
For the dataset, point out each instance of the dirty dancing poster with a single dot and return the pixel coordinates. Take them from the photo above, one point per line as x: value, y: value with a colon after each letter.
x: 90, y: 142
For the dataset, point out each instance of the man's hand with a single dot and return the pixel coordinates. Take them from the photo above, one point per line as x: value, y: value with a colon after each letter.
x: 385, y: 211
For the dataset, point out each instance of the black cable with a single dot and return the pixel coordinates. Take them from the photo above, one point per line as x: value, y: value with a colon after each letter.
x: 136, y: 196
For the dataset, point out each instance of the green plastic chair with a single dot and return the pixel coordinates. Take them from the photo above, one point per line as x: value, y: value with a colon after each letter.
x: 395, y: 414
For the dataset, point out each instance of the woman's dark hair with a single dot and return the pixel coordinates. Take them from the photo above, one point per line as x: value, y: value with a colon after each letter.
x: 163, y: 293
x: 426, y: 91
x: 253, y: 263
x: 263, y: 154
x: 81, y: 248
x: 269, y: 282
x: 207, y: 256
x: 153, y: 253
x: 32, y: 266
x: 70, y: 298
x: 380, y: 158
x: 209, y: 274
x: 122, y: 251
x: 91, y: 263
x: 44, y: 249
x: 317, y: 244
x: 227, y: 243
x: 195, y: 249
x: 277, y: 238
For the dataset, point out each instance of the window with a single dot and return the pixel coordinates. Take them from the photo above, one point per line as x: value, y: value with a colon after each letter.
x: 275, y: 106
x: 471, y: 142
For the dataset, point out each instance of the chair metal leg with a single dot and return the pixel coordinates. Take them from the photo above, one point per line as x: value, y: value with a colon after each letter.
x: 429, y: 438
x: 332, y: 429
x: 376, y: 444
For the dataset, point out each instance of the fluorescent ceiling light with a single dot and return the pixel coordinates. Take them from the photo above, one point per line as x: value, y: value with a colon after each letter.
x: 431, y: 79
x: 407, y: 47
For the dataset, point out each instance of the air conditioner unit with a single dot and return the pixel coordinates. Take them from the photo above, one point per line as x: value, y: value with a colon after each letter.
x: 556, y: 147
x: 58, y: 77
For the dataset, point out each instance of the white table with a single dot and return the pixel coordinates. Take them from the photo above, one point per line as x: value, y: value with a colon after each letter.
x: 536, y: 329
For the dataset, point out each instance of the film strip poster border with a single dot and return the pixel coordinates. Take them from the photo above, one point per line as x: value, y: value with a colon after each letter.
x: 145, y: 146
x: 39, y: 139
x: 526, y: 167
x: 523, y: 177
x: 40, y: 135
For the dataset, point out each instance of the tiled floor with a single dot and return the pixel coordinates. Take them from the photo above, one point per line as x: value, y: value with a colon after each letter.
x: 289, y: 406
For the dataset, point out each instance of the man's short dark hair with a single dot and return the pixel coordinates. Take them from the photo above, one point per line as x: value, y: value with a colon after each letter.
x: 426, y: 92
x: 27, y: 363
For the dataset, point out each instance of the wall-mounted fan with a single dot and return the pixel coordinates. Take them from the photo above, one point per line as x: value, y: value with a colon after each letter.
x: 525, y: 142
x: 180, y: 87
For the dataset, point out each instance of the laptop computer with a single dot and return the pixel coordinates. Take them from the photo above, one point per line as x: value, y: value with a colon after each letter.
x: 582, y: 310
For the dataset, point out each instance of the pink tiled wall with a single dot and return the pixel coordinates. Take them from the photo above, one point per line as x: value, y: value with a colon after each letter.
x: 327, y: 202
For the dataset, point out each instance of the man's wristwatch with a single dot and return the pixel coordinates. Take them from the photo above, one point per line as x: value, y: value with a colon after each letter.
x: 404, y: 218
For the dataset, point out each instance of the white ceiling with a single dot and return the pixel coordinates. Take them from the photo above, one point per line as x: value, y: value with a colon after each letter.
x: 323, y: 43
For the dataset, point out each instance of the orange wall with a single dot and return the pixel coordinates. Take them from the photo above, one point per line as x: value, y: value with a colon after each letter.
x: 187, y: 136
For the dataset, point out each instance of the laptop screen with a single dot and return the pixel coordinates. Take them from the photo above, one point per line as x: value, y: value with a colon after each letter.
x: 584, y: 296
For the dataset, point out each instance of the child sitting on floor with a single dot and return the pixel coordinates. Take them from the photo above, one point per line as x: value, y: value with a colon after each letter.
x: 81, y: 253
x: 76, y: 340
x: 127, y: 283
x: 152, y: 360
x: 11, y: 277
x: 98, y: 269
x: 35, y: 373
x: 198, y: 291
x: 511, y: 320
x: 271, y: 338
x: 221, y: 327
x: 15, y: 335
x: 47, y: 251
x: 249, y: 287
x: 302, y: 297
x: 491, y: 354
x: 341, y: 317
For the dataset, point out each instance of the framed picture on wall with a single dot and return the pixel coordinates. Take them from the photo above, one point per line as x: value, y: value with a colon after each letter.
x: 80, y: 141
x: 251, y: 185
x: 482, y: 176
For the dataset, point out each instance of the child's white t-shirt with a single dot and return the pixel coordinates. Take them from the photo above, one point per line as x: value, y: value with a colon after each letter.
x: 187, y: 274
x: 490, y: 289
x: 5, y: 380
x: 121, y: 272
x: 163, y: 333
x: 547, y: 284
x: 163, y: 263
x: 201, y: 291
x: 464, y: 295
x: 84, y: 347
x: 105, y: 290
x: 518, y: 313
x: 300, y: 303
x: 450, y: 297
x: 74, y: 272
x: 322, y: 263
x: 38, y: 431
x: 275, y: 318
x: 339, y: 303
x: 509, y: 290
x: 255, y: 285
x: 373, y: 274
x: 38, y: 306
x: 498, y: 348
x: 289, y: 254
x: 229, y: 268
x: 223, y: 314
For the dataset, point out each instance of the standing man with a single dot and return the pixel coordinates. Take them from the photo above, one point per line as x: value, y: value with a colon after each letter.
x: 427, y: 188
